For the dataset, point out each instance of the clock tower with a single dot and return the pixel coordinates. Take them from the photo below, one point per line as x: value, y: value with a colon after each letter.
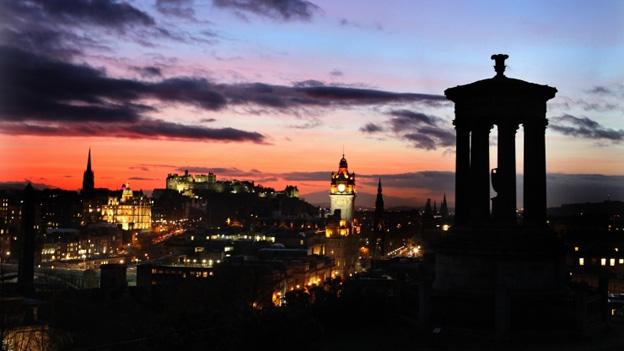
x: 342, y: 191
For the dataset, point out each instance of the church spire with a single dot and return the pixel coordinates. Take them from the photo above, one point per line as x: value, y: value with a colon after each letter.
x: 89, y: 161
x: 428, y: 210
x: 444, y: 207
x: 88, y: 178
x: 379, y: 203
x: 378, y: 237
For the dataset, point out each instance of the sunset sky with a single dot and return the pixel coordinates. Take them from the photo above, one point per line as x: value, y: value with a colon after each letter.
x: 272, y: 90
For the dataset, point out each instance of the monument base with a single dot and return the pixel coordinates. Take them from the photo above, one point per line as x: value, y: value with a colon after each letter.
x: 492, y: 259
x: 505, y: 281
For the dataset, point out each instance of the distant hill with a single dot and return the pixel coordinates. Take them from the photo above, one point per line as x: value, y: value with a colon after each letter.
x: 321, y: 198
x: 607, y: 207
x: 20, y: 185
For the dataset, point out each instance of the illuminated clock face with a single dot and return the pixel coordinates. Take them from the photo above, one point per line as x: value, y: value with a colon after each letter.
x: 341, y: 188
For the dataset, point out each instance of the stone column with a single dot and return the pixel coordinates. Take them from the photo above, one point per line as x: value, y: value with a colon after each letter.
x: 502, y: 313
x: 535, y: 172
x: 480, y: 174
x: 507, y: 173
x: 424, y: 302
x: 462, y: 174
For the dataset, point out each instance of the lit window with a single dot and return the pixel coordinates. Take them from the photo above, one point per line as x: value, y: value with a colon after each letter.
x: 603, y: 261
x: 581, y: 261
x: 621, y: 261
x: 612, y: 262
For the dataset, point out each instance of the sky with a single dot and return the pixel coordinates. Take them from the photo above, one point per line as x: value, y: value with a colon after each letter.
x: 275, y: 90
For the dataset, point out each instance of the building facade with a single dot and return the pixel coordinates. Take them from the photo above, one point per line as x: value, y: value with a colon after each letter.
x: 132, y: 212
x: 186, y: 183
x: 95, y: 241
x: 191, y: 184
x: 340, y: 230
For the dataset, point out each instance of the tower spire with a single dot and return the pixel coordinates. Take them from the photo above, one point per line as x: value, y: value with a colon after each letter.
x: 379, y: 202
x: 89, y: 161
x: 444, y: 207
x: 378, y: 242
x: 88, y: 183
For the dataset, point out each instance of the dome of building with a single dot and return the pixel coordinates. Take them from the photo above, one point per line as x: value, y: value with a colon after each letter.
x: 343, y: 162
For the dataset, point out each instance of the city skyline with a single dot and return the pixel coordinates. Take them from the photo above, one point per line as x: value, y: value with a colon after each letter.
x: 174, y: 85
x: 258, y: 174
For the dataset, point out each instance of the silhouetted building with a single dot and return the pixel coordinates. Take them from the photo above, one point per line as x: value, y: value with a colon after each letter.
x: 92, y: 199
x: 169, y: 204
x: 88, y: 183
x: 594, y: 244
x: 60, y: 209
x: 506, y: 103
x: 444, y: 211
x: 113, y: 276
x: 10, y: 222
x: 159, y: 274
x: 26, y: 269
x: 491, y: 272
x: 379, y: 207
x: 427, y: 216
x: 378, y: 242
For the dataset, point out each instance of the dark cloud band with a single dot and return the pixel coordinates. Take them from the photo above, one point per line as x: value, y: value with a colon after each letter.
x: 421, y: 130
x: 585, y: 127
x: 44, y: 89
x: 142, y: 129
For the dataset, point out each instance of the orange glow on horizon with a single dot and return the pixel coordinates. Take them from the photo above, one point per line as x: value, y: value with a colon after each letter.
x: 60, y: 162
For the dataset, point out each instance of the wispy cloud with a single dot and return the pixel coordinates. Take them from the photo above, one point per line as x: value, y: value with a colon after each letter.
x: 147, y: 71
x: 283, y: 10
x: 586, y: 128
x: 178, y: 8
x: 371, y: 128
